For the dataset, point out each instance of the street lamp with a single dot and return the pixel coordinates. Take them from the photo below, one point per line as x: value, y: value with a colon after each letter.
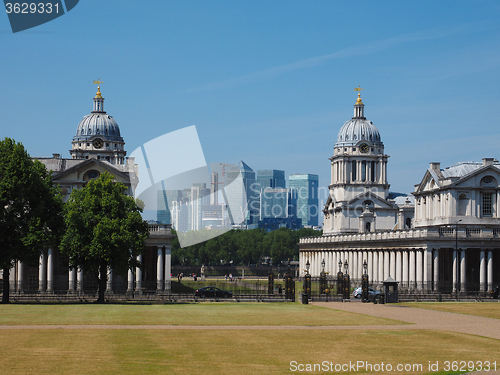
x: 346, y: 266
x: 340, y: 266
x: 323, y: 265
x: 307, y: 266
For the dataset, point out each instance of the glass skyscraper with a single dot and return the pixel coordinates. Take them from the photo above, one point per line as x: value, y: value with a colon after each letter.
x: 305, y: 189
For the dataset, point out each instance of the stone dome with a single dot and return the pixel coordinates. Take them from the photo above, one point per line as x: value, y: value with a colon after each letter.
x: 98, y: 123
x: 356, y: 130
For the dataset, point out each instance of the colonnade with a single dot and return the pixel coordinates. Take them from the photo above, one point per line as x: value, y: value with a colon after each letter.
x: 415, y: 268
x: 46, y: 280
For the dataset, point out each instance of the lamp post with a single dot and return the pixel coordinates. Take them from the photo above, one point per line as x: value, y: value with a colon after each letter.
x: 340, y: 279
x: 457, y: 267
x: 322, y: 278
x: 347, y: 283
x: 364, y: 282
x: 307, y: 281
x: 270, y: 280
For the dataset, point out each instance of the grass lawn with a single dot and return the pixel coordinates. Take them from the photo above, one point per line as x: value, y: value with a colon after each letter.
x: 486, y: 309
x: 183, y: 314
x: 228, y: 351
x: 80, y: 350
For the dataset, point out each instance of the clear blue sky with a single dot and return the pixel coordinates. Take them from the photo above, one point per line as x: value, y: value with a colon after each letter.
x: 266, y: 82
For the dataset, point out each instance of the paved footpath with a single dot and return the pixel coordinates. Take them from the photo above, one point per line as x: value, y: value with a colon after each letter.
x: 422, y: 318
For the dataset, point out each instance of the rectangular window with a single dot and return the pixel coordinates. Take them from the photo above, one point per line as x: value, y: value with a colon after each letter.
x: 487, y: 204
x: 353, y: 177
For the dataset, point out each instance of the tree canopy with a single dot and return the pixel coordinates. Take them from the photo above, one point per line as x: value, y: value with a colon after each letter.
x: 30, y: 209
x: 104, y: 228
x: 242, y: 247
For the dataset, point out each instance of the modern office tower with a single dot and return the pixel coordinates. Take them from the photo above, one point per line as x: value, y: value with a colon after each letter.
x: 305, y: 189
x: 165, y: 199
x: 242, y: 193
x: 274, y: 203
x: 272, y: 178
x: 200, y: 196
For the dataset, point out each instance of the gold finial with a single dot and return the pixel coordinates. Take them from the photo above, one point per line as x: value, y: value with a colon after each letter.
x: 98, y: 94
x: 358, y: 89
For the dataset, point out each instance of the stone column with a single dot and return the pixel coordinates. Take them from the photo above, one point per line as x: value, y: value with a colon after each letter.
x: 20, y: 269
x: 420, y: 269
x: 387, y: 265
x: 436, y: 269
x: 399, y: 268
x: 381, y: 263
x: 159, y: 269
x: 71, y: 280
x: 482, y: 271
x: 393, y: 264
x: 463, y: 278
x: 79, y: 281
x: 412, y: 269
x: 427, y: 268
x: 42, y: 272
x: 455, y: 266
x: 370, y: 265
x: 168, y: 267
x: 130, y: 280
x: 50, y: 270
x: 406, y: 269
x: 490, y: 271
x: 109, y: 282
x: 138, y: 276
x: 375, y: 267
x: 12, y: 279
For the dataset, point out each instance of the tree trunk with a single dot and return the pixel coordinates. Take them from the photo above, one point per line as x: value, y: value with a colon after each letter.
x: 6, y: 286
x: 103, y: 278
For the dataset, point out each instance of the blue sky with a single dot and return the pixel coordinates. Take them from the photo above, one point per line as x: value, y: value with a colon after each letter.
x: 269, y: 83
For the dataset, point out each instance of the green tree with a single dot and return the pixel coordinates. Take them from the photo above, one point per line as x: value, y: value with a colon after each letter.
x: 104, y: 228
x: 31, y: 209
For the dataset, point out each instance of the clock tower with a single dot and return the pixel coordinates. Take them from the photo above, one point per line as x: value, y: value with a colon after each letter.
x: 98, y: 135
x: 358, y: 186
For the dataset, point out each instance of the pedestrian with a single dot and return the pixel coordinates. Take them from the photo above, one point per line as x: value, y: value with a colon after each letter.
x: 496, y: 292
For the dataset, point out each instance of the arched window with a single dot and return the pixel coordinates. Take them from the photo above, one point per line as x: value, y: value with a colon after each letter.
x: 408, y: 223
x: 488, y: 181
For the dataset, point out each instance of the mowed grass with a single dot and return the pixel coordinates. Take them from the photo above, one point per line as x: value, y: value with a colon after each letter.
x: 229, y: 351
x: 273, y: 314
x: 486, y: 309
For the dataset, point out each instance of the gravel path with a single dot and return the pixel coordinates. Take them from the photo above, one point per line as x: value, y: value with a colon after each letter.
x: 423, y: 318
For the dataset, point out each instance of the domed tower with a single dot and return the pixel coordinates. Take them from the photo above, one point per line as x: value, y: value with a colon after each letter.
x: 98, y: 136
x: 358, y: 176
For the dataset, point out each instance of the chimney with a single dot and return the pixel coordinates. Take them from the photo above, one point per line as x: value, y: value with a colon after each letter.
x: 56, y: 156
x: 435, y: 166
x: 489, y: 161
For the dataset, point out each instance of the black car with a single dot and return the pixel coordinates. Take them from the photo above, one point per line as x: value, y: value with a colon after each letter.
x: 212, y: 291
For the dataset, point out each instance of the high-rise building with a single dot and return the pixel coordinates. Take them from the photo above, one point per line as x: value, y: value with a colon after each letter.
x: 242, y: 193
x: 304, y: 187
x: 272, y: 178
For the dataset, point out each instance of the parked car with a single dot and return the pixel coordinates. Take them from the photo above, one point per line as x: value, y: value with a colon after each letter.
x: 372, y: 293
x: 212, y: 291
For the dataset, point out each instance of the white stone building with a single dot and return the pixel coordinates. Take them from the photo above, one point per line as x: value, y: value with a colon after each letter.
x: 446, y: 237
x: 97, y: 147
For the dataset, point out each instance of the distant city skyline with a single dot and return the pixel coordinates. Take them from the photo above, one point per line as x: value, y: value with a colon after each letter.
x: 267, y: 83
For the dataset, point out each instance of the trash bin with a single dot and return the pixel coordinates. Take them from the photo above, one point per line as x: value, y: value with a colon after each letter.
x: 305, y: 299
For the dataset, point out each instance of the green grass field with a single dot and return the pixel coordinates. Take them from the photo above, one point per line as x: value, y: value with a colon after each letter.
x: 204, y: 350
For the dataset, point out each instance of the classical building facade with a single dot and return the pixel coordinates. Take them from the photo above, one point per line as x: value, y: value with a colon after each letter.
x: 445, y: 237
x: 97, y: 147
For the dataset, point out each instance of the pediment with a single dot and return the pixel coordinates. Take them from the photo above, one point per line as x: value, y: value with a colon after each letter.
x: 430, y: 181
x: 378, y: 203
x: 77, y: 173
x: 478, y: 177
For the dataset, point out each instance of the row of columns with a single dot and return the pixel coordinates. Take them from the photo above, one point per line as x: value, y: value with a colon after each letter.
x: 75, y: 277
x: 415, y: 268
